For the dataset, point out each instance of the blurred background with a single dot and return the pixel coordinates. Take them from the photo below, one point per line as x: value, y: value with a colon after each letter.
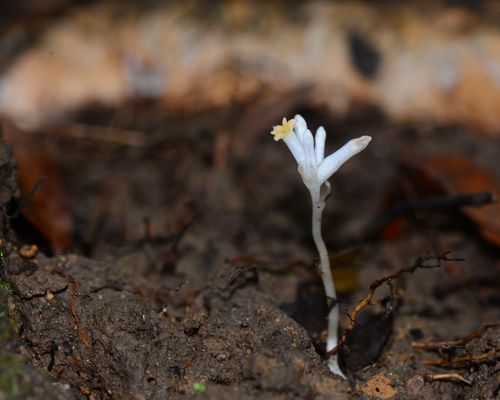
x: 431, y: 61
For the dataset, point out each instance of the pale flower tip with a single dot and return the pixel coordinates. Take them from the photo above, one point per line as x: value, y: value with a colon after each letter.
x: 301, y: 122
x: 363, y: 141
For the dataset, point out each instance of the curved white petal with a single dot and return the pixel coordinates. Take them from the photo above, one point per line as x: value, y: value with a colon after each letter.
x: 319, y: 144
x: 308, y: 143
x: 308, y: 170
x: 333, y: 162
x: 295, y: 147
x: 300, y: 127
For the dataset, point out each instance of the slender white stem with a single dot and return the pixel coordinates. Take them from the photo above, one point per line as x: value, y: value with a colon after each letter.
x: 318, y: 203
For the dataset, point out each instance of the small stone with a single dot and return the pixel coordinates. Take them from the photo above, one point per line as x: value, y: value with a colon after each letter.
x: 222, y: 356
x: 415, y: 384
x: 49, y: 295
x: 28, y: 251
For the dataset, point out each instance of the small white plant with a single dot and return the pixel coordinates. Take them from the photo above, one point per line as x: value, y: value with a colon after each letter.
x: 315, y: 171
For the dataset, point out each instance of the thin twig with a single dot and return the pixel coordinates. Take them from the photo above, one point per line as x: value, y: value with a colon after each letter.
x: 72, y: 306
x: 453, y: 377
x: 434, y: 203
x: 420, y: 263
x: 429, y: 204
x: 270, y: 266
x: 466, y: 360
x: 113, y: 135
x: 26, y: 199
x: 437, y: 345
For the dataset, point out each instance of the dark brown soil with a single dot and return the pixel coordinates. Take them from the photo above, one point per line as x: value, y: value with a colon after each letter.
x: 192, y: 262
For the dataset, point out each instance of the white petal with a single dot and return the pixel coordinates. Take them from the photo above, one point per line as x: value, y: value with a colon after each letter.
x: 300, y: 127
x: 308, y: 143
x: 333, y: 162
x: 295, y: 147
x: 308, y: 170
x: 319, y: 144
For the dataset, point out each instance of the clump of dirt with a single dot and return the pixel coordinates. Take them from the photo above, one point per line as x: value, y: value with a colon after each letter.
x: 87, y: 324
x: 191, y: 274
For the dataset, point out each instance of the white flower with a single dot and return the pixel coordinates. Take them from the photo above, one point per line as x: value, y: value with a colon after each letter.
x: 315, y: 171
x: 309, y: 152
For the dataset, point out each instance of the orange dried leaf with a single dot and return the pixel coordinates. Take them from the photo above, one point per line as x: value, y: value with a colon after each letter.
x: 454, y: 175
x: 48, y: 209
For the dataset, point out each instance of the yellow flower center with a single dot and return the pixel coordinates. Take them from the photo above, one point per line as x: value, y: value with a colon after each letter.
x: 283, y: 130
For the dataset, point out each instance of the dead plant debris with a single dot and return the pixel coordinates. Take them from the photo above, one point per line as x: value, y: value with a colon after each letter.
x: 425, y: 262
x: 452, y: 377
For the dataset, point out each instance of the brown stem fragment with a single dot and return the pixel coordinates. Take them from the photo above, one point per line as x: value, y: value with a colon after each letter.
x: 453, y: 377
x: 466, y: 360
x: 438, y: 345
x: 420, y: 205
x: 72, y: 306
